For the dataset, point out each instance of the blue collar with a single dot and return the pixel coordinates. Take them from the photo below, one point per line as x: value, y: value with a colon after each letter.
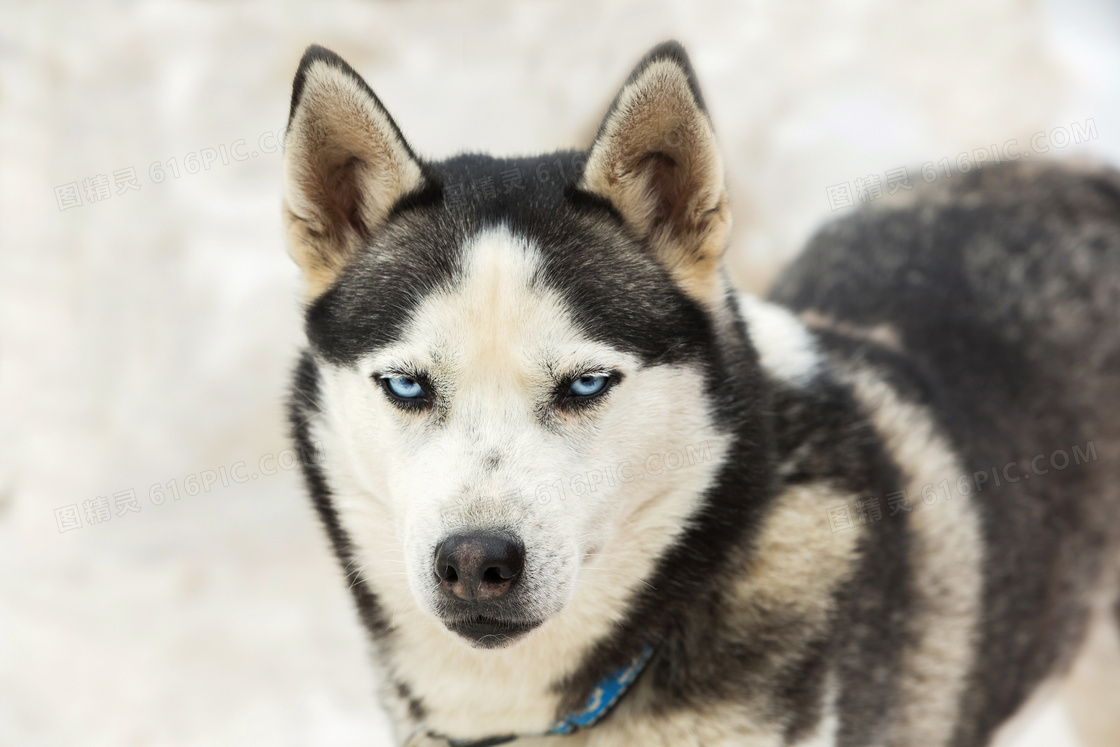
x: 603, y: 698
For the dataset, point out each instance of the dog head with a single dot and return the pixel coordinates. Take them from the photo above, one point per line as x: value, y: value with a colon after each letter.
x: 516, y: 358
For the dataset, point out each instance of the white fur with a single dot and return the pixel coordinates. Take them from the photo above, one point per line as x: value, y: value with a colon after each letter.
x: 829, y: 726
x: 402, y: 483
x: 945, y: 556
x: 785, y: 346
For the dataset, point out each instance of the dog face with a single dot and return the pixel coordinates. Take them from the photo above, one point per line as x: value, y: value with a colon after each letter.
x: 510, y: 387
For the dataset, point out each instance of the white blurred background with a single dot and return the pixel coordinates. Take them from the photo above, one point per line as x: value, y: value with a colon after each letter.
x: 146, y: 334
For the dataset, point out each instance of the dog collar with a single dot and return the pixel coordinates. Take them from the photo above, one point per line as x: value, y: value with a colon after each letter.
x: 603, y: 698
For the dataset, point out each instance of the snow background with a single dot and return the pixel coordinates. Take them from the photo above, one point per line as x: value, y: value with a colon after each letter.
x: 149, y: 336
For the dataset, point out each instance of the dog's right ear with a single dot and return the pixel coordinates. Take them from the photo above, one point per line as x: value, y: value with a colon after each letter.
x: 345, y: 166
x: 655, y: 160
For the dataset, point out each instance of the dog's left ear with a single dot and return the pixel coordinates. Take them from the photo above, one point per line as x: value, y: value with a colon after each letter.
x: 655, y: 159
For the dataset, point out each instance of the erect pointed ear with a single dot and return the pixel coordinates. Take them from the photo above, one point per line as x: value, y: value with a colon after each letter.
x: 655, y: 159
x: 345, y: 166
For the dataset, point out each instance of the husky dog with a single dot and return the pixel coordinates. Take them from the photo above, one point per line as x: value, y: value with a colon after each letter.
x: 584, y: 493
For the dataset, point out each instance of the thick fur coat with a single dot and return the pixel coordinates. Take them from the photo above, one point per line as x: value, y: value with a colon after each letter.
x: 879, y: 508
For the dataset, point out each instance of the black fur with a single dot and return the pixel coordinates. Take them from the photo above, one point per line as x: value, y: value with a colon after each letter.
x: 618, y: 291
x: 302, y: 406
x: 1006, y: 293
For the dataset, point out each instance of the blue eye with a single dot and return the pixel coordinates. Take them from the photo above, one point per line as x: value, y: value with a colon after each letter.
x: 589, y: 385
x: 404, y: 387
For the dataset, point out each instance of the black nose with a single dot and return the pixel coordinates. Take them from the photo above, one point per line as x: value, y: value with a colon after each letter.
x: 478, y: 567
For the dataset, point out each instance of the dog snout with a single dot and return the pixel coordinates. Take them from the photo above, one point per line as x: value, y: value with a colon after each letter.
x: 479, y: 567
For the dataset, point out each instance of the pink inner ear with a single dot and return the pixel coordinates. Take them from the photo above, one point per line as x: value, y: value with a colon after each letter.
x: 343, y: 198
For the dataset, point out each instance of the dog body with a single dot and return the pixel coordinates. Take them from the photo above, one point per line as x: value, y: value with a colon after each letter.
x: 878, y: 509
